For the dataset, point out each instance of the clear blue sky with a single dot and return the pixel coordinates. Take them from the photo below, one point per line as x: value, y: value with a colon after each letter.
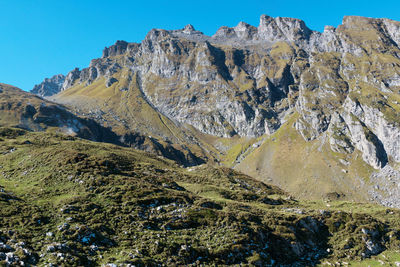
x: 40, y: 38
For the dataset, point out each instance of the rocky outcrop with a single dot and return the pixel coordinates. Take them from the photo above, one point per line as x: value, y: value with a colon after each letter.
x: 339, y: 135
x: 283, y: 29
x: 118, y: 48
x: 362, y: 136
x: 70, y: 79
x: 50, y: 86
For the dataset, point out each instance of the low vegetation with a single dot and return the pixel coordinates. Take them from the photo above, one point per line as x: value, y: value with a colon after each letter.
x: 67, y: 201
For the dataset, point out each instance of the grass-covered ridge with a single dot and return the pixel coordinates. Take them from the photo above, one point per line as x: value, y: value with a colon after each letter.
x: 76, y: 202
x: 27, y: 111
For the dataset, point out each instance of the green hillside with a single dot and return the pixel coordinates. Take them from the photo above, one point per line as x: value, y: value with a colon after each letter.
x: 68, y: 201
x: 309, y: 170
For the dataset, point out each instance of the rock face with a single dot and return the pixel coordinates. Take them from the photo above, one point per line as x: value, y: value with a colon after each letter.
x: 50, y: 86
x: 242, y: 80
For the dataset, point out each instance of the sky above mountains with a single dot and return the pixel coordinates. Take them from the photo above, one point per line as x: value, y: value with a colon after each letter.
x: 45, y: 37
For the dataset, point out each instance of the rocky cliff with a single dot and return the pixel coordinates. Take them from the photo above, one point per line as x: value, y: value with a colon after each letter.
x: 50, y: 86
x: 339, y: 87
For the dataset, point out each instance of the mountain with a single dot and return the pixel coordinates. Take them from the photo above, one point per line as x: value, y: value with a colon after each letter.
x: 50, y: 86
x: 66, y: 201
x: 314, y: 113
x: 27, y: 111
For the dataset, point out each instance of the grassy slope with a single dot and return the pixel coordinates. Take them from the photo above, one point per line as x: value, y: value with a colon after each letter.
x: 12, y: 104
x: 24, y: 110
x: 124, y: 109
x: 288, y: 161
x: 76, y: 202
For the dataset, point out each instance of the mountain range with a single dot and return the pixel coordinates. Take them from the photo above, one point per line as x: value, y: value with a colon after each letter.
x: 279, y: 102
x: 268, y: 145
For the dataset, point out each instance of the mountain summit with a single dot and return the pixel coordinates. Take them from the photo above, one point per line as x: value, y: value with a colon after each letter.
x: 280, y: 102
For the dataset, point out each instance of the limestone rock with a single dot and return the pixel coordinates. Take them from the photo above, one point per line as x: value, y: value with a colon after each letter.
x: 365, y: 140
x: 243, y: 80
x: 118, y: 48
x: 50, y: 86
x: 111, y: 81
x: 71, y: 77
x: 339, y: 135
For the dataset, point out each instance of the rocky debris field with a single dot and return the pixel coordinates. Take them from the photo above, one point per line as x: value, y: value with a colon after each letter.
x: 386, y: 187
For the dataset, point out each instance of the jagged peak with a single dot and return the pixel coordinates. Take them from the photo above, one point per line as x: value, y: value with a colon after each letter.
x: 282, y: 28
x: 56, y: 77
x: 225, y: 31
x: 188, y: 28
x: 291, y: 23
x: 242, y: 30
x: 156, y: 34
x: 243, y: 25
x: 70, y: 78
x: 245, y: 31
x: 118, y: 48
x: 288, y: 19
x: 265, y: 19
x: 329, y: 28
x: 120, y: 43
x: 298, y: 23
